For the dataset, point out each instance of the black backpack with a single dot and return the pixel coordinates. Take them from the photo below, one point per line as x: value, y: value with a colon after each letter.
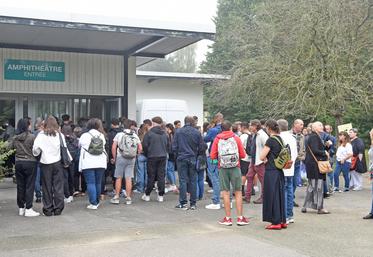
x: 249, y: 141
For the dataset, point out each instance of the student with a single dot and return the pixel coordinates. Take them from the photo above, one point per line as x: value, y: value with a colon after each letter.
x: 126, y: 146
x: 48, y: 144
x: 92, y: 160
x: 155, y: 146
x: 344, y: 154
x: 228, y: 150
x: 25, y: 167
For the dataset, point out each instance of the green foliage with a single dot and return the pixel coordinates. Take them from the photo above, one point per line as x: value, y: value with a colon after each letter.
x: 4, y: 155
x: 309, y: 59
x: 182, y: 60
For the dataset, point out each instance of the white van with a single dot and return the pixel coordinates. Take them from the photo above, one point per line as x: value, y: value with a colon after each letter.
x: 168, y: 109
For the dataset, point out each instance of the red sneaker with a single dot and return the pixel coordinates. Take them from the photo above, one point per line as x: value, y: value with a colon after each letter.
x: 242, y: 221
x: 274, y: 227
x: 226, y: 221
x: 284, y: 225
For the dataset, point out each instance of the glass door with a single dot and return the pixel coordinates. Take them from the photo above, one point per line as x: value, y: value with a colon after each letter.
x: 7, y: 117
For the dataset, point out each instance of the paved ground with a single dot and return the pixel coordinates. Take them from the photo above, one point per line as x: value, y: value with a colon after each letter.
x: 157, y: 229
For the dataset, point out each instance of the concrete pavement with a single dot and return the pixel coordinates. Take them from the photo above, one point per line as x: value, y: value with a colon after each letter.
x: 158, y: 229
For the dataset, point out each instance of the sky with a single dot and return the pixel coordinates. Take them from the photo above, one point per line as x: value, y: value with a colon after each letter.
x: 193, y: 13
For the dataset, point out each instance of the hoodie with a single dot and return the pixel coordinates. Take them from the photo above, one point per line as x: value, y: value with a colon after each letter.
x: 155, y: 143
x: 225, y: 135
x: 23, y: 143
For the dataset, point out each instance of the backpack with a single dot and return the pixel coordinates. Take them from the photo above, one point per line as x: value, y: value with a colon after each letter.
x: 72, y: 145
x: 283, y: 160
x: 96, y: 146
x: 228, y: 153
x: 249, y: 141
x: 128, y: 145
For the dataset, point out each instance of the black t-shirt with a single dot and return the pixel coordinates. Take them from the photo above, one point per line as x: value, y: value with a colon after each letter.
x: 274, y: 152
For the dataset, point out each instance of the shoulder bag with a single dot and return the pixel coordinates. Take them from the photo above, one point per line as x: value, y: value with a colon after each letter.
x: 324, y: 166
x: 65, y: 157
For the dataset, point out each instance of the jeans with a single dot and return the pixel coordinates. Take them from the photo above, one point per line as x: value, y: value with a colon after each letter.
x: 345, y: 168
x: 141, y: 173
x: 371, y: 211
x: 68, y: 186
x: 187, y: 176
x: 213, y: 173
x: 289, y: 196
x: 93, y: 178
x: 296, y: 177
x: 25, y: 174
x: 200, y: 183
x: 171, y: 172
x: 38, y: 182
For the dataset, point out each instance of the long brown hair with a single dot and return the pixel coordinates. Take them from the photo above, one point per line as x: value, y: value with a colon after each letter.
x: 51, y: 126
x: 347, y: 138
x: 96, y: 124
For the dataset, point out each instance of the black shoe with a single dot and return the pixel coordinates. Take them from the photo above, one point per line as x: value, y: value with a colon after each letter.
x: 326, y: 195
x: 46, y: 213
x: 295, y: 204
x: 304, y: 210
x: 38, y: 200
x: 192, y: 207
x: 368, y: 217
x: 57, y: 213
x: 182, y: 206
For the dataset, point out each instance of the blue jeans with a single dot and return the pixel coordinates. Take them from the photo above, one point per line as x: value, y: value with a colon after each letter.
x: 187, y: 177
x: 371, y: 211
x: 345, y: 168
x: 213, y: 174
x: 289, y: 196
x: 296, y: 177
x: 170, y: 171
x: 200, y: 183
x: 93, y: 178
x: 38, y: 182
x: 141, y: 173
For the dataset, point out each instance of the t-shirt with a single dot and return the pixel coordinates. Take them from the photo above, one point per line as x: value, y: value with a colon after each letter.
x: 244, y: 138
x: 343, y: 152
x: 273, y: 153
x: 118, y: 138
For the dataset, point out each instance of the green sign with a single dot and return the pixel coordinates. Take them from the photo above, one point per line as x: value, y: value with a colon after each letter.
x: 34, y: 70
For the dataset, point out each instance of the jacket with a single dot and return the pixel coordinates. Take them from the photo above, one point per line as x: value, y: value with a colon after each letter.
x: 315, y: 143
x: 225, y: 135
x: 23, y: 143
x: 155, y: 143
x: 188, y: 143
x: 211, y: 134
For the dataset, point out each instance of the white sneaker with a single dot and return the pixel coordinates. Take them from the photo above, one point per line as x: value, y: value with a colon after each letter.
x: 21, y: 211
x: 357, y: 189
x: 210, y: 191
x: 136, y: 191
x: 172, y: 188
x: 69, y: 199
x: 213, y: 206
x: 31, y: 213
x: 145, y: 197
x: 92, y: 207
x: 114, y: 200
x: 128, y: 200
x: 290, y: 220
x: 256, y: 188
x: 166, y: 190
x: 160, y: 198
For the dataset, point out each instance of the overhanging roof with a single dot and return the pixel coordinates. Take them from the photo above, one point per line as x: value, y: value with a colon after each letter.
x: 54, y: 35
x: 154, y: 75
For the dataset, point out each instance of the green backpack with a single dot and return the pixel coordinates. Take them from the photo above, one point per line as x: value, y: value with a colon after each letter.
x: 96, y: 146
x: 283, y: 160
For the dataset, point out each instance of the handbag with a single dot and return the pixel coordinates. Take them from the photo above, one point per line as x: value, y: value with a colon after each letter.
x: 324, y: 166
x: 201, y: 163
x: 65, y: 156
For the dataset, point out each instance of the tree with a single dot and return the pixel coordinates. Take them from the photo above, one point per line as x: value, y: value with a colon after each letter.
x: 182, y: 60
x: 304, y: 58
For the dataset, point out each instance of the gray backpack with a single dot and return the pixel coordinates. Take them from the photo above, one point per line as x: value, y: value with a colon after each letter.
x: 128, y: 145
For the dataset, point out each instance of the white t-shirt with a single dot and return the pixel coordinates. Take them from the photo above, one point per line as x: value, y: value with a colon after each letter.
x: 343, y: 151
x: 118, y: 138
x: 244, y: 138
x: 49, y: 147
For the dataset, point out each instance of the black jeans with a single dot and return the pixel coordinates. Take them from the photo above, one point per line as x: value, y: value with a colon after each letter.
x: 68, y: 186
x: 52, y: 179
x: 25, y: 175
x: 79, y: 180
x: 156, y: 168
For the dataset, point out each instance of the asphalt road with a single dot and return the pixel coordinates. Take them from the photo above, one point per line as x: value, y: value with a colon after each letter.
x: 158, y: 229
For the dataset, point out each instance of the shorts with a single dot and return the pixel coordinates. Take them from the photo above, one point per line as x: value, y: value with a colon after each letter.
x: 244, y: 167
x: 228, y: 177
x: 124, y: 168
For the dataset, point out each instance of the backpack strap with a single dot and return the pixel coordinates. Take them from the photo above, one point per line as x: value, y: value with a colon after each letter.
x: 278, y: 140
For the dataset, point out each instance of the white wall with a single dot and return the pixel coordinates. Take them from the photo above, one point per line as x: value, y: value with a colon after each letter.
x: 183, y: 89
x: 85, y: 74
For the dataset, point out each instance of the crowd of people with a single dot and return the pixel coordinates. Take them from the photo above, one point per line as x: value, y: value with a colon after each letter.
x: 58, y: 161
